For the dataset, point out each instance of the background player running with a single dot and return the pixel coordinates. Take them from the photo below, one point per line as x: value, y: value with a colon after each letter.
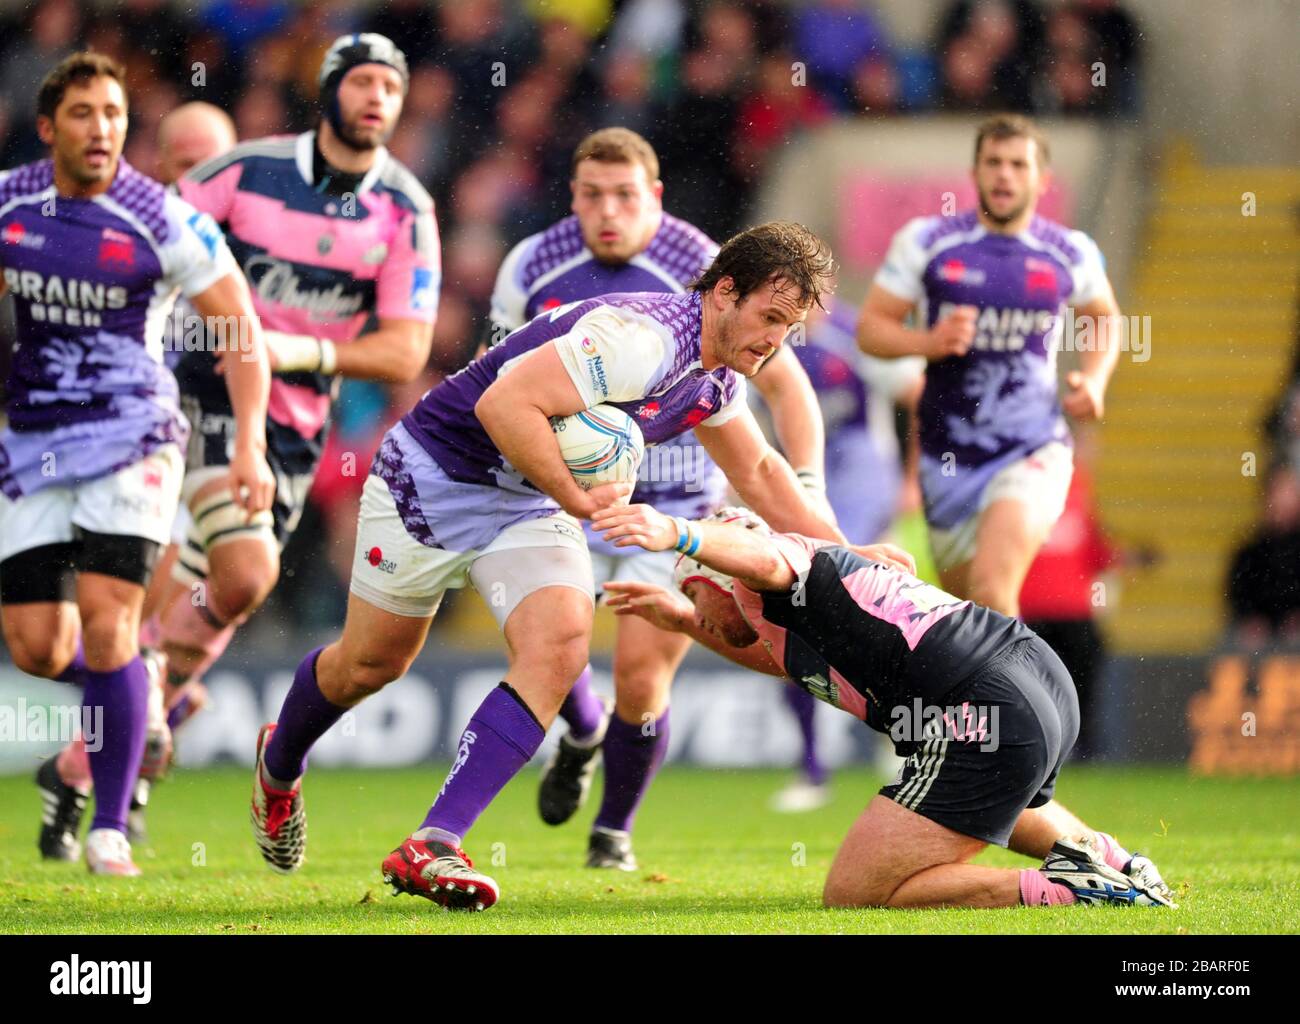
x: 331, y: 231
x: 619, y: 239
x: 90, y: 465
x: 998, y: 717
x: 191, y: 134
x: 470, y: 487
x: 991, y: 287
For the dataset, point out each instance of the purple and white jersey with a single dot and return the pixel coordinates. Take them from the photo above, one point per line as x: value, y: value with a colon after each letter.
x: 639, y: 352
x: 996, y: 404
x: 856, y: 394
x: 555, y: 267
x: 93, y: 281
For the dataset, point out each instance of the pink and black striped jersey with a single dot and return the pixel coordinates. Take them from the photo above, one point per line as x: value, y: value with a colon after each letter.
x: 318, y: 263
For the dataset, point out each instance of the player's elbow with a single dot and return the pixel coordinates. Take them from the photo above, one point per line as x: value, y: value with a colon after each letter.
x: 413, y: 358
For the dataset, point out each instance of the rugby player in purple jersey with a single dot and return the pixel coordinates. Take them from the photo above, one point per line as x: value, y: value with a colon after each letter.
x: 991, y: 289
x: 981, y: 708
x: 470, y: 488
x: 619, y: 239
x: 94, y: 254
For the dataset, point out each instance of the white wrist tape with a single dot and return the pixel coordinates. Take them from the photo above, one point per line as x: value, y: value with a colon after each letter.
x: 298, y: 352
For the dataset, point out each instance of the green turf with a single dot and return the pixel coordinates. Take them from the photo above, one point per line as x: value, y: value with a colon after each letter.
x: 713, y: 860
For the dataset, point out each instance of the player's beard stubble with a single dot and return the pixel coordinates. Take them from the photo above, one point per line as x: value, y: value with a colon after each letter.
x: 1005, y: 218
x: 352, y: 136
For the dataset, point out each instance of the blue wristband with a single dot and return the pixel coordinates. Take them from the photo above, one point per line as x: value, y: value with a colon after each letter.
x: 683, y: 534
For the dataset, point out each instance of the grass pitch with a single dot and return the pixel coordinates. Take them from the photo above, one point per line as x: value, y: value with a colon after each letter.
x: 714, y: 860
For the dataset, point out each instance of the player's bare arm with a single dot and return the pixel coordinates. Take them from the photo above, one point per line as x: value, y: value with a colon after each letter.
x: 397, y: 352
x: 665, y: 610
x: 882, y: 333
x: 248, y: 380
x: 1086, y: 399
x: 516, y: 410
x: 734, y: 550
x: 796, y: 416
x: 764, y: 480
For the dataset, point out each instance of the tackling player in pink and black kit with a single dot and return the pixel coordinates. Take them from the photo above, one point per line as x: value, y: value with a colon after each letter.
x: 94, y: 254
x: 470, y: 488
x: 619, y: 239
x: 991, y: 288
x: 982, y: 709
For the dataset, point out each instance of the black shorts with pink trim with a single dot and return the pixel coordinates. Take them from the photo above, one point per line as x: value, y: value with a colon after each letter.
x: 991, y: 748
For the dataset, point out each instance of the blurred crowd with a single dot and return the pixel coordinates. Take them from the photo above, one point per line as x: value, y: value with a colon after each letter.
x: 502, y: 90
x: 1264, y: 575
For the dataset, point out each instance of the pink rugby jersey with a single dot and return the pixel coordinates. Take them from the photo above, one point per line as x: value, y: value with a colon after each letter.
x: 318, y: 263
x: 866, y: 637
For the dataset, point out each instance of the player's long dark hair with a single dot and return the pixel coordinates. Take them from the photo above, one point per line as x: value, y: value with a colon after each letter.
x: 777, y: 250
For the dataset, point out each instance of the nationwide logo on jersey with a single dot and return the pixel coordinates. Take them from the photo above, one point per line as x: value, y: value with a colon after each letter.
x: 1040, y: 276
x: 589, y: 348
x: 16, y: 234
x: 116, y: 247
x: 956, y: 272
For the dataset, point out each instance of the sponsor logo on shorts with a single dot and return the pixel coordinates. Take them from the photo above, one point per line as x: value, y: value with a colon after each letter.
x: 963, y: 723
x: 588, y: 347
x: 376, y: 558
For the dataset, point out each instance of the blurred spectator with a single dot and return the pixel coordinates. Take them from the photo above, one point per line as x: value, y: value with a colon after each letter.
x: 241, y: 24
x: 1264, y: 577
x: 876, y: 87
x: 155, y: 29
x: 412, y: 24
x: 626, y: 81
x: 1119, y: 47
x: 212, y: 75
x: 989, y: 54
x: 698, y: 169
x: 260, y: 112
x: 834, y: 37
x: 968, y: 71
x: 779, y: 108
x: 425, y: 137
x: 591, y: 17
x: 1068, y: 86
x: 51, y: 33
x: 651, y: 27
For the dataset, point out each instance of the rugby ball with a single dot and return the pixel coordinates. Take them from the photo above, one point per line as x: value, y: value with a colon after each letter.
x: 601, y: 445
